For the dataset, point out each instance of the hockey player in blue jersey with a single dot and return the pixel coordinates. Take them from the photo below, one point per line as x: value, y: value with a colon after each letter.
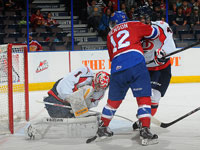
x: 128, y: 70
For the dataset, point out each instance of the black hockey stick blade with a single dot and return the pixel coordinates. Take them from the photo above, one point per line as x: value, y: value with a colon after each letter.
x: 178, y: 51
x: 91, y: 139
x: 165, y: 125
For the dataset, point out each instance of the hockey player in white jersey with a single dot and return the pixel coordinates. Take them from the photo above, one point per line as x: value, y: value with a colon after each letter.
x: 69, y: 101
x: 160, y: 69
x: 81, y: 83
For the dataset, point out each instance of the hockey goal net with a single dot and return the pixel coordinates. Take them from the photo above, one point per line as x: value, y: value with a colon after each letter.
x: 14, y: 106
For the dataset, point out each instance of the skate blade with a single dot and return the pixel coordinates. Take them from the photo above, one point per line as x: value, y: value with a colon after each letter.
x: 146, y: 142
x: 102, y: 139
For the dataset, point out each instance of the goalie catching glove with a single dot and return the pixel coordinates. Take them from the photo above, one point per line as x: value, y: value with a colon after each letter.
x: 159, y: 57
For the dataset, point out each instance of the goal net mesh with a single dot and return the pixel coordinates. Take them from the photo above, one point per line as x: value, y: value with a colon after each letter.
x: 18, y: 86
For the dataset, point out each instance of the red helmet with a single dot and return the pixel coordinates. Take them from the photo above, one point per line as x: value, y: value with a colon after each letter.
x: 102, y: 79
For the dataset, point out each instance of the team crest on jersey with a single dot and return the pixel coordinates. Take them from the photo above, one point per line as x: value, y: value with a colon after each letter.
x: 118, y: 67
x: 42, y: 66
x: 147, y: 45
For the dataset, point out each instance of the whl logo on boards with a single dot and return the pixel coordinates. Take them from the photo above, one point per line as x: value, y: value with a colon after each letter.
x: 42, y: 66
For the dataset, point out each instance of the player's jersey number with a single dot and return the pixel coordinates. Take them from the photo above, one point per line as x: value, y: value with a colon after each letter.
x: 122, y: 40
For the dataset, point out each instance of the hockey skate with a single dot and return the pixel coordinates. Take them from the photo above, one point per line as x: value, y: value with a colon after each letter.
x: 31, y: 133
x: 136, y: 125
x: 147, y: 137
x: 102, y: 134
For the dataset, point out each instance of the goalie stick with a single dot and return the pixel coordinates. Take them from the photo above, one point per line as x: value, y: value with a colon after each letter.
x: 165, y: 125
x: 178, y: 51
x: 65, y: 106
x: 93, y: 138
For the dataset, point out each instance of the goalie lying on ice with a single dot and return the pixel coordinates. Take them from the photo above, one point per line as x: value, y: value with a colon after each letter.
x: 68, y: 102
x: 81, y: 90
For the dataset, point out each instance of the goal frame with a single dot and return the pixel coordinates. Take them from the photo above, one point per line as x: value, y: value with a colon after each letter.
x: 10, y: 85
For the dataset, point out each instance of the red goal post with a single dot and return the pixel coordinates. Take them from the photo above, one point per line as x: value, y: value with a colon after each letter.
x: 14, y: 100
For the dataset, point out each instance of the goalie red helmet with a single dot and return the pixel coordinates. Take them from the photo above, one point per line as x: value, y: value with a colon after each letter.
x: 102, y: 79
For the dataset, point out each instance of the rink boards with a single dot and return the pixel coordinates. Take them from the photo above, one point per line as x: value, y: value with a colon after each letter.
x: 47, y: 67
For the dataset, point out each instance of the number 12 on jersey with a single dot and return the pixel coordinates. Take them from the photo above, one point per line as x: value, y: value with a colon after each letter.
x: 121, y: 38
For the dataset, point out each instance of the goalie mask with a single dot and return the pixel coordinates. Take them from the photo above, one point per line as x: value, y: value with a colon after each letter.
x: 101, y: 80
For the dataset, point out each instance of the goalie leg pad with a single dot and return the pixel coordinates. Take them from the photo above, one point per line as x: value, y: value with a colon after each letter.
x: 62, y: 127
x: 78, y: 103
x: 88, y: 91
x: 74, y: 127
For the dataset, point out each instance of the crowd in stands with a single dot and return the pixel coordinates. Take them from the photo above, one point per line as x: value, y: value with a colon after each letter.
x: 38, y: 20
x: 96, y: 13
x: 180, y: 13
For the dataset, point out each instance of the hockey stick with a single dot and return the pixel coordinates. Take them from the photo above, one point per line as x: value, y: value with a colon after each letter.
x: 54, y: 104
x: 60, y: 105
x: 165, y: 125
x: 178, y: 51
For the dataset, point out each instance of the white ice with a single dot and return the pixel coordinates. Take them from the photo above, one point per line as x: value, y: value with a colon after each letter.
x: 179, y: 100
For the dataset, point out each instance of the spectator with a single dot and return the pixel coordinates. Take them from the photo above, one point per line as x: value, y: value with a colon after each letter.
x: 151, y: 4
x: 129, y: 3
x: 186, y: 11
x: 123, y: 8
x: 179, y: 19
x: 191, y: 3
x: 157, y: 14
x: 196, y: 4
x: 37, y: 19
x: 94, y: 17
x: 104, y: 24
x: 178, y: 3
x: 110, y: 6
x: 100, y: 4
x: 195, y: 18
x: 131, y: 14
x: 174, y: 8
x: 115, y: 4
x: 162, y: 6
x: 143, y: 9
x: 34, y: 45
x: 50, y: 22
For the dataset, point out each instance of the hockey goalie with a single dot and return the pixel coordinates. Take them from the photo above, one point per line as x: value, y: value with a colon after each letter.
x: 69, y: 101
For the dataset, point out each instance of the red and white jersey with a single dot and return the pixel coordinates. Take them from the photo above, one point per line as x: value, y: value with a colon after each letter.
x: 164, y: 41
x: 74, y: 80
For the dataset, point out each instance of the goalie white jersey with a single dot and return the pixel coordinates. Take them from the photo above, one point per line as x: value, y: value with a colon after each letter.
x: 79, y: 78
x: 164, y: 41
x: 74, y: 80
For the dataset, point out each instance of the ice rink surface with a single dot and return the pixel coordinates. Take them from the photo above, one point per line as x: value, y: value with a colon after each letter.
x: 179, y: 100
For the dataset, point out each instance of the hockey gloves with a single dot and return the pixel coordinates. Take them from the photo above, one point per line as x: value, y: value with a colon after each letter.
x: 159, y: 57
